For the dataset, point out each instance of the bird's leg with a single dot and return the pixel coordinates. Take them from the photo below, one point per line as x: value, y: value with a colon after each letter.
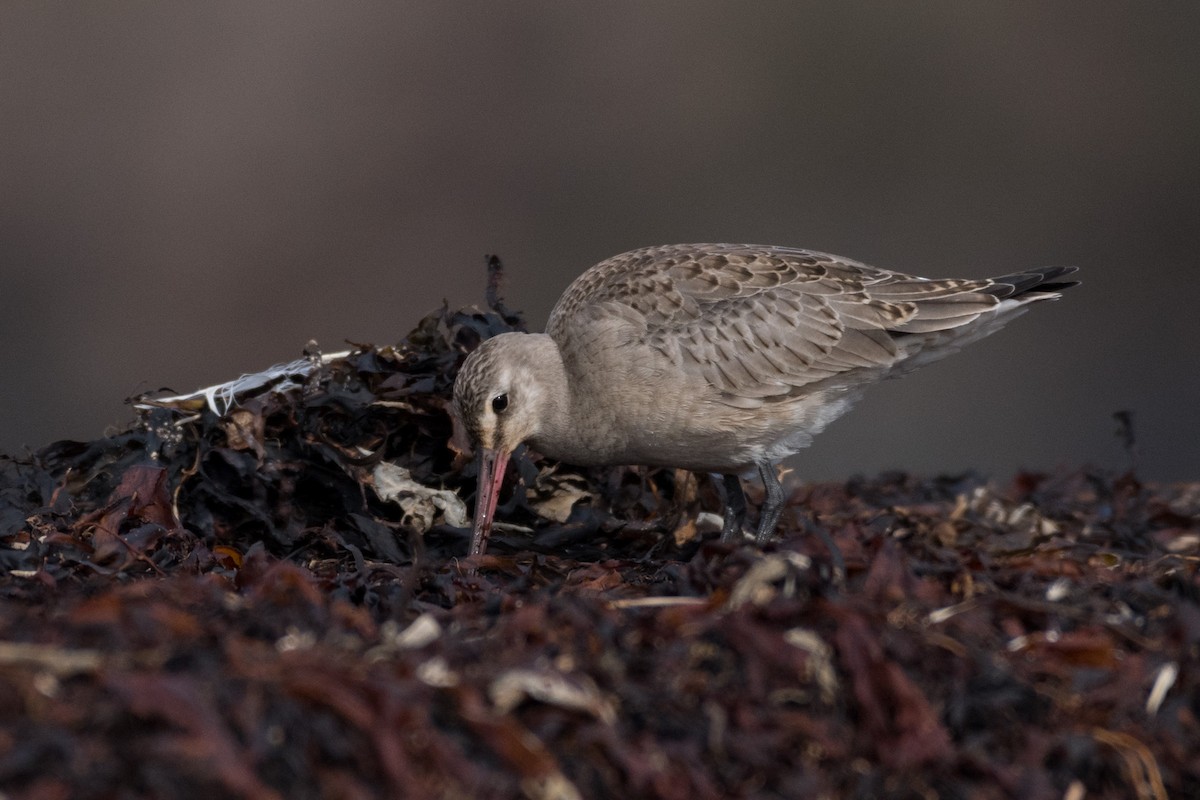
x: 735, y: 508
x: 772, y: 507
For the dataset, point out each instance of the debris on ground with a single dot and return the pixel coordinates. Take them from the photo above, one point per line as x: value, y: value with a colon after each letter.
x: 273, y: 602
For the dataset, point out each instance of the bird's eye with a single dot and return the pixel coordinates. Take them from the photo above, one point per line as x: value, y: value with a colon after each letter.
x: 499, y: 403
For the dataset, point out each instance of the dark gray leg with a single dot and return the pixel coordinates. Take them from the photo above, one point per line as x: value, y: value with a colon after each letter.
x: 735, y: 509
x: 772, y: 507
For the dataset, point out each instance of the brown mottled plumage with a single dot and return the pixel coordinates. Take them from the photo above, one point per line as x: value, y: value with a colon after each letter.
x: 716, y: 358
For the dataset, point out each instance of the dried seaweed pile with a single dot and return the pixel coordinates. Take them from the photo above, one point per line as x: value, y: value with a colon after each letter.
x: 208, y: 606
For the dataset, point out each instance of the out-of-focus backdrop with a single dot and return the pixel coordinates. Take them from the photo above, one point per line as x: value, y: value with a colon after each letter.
x: 193, y: 191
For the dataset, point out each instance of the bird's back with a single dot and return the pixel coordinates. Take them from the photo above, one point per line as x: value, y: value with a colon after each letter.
x: 765, y: 324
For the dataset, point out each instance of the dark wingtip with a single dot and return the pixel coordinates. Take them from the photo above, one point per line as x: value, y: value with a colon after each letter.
x: 1043, y: 279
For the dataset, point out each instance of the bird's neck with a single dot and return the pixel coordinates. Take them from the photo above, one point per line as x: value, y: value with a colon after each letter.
x: 553, y: 399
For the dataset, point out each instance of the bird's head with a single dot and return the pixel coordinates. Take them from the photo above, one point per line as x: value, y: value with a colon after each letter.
x: 500, y: 397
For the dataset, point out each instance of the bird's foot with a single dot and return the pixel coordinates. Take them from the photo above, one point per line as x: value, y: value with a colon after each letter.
x: 735, y: 508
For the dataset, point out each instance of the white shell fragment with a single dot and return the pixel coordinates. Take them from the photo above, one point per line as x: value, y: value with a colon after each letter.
x: 421, y: 504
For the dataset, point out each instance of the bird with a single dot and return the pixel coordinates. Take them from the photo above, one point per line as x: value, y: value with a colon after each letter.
x: 715, y: 358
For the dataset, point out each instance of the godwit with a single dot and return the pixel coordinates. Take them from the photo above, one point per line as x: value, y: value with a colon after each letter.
x: 715, y: 358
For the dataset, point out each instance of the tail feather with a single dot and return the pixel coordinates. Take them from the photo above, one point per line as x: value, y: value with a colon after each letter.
x: 1042, y: 280
x: 923, y: 341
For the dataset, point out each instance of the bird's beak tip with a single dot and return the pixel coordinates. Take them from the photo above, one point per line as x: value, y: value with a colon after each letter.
x: 492, y: 463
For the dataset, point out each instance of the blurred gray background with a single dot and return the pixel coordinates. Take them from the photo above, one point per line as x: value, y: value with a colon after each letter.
x: 193, y: 191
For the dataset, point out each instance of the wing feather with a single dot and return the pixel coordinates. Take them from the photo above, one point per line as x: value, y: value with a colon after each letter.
x: 760, y: 323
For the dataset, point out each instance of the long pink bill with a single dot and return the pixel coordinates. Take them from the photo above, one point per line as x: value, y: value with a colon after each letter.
x: 491, y: 474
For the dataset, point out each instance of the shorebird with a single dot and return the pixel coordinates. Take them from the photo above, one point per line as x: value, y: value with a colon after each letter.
x: 719, y: 358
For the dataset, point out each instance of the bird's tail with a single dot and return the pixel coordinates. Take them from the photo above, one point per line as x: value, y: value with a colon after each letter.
x: 1024, y: 285
x: 1015, y: 293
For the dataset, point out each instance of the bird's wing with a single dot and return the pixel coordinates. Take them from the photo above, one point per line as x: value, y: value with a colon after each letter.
x: 761, y: 322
